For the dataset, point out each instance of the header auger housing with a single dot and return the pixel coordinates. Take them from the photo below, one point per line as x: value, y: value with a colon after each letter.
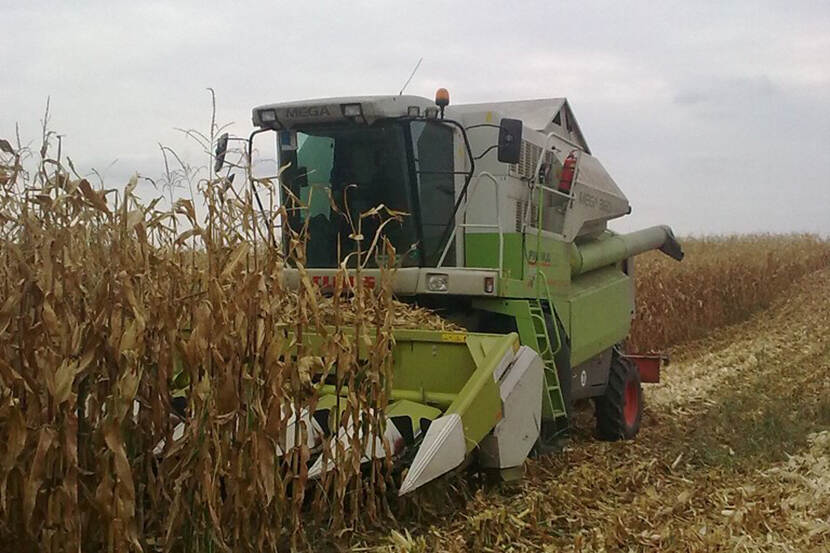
x: 506, y: 234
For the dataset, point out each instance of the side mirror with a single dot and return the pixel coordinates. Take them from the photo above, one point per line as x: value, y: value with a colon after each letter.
x: 221, y: 150
x: 510, y: 140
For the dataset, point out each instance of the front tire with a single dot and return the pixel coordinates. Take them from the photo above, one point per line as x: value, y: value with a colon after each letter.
x: 620, y: 410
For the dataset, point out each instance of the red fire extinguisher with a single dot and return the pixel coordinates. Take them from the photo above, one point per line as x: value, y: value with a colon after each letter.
x: 567, y: 176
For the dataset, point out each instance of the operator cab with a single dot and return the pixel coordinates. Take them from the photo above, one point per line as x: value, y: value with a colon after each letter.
x: 342, y: 157
x: 339, y: 172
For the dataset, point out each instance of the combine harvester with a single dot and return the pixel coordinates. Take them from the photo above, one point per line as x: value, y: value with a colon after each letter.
x: 508, y: 218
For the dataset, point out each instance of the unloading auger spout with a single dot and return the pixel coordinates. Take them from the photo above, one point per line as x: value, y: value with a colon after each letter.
x: 613, y: 248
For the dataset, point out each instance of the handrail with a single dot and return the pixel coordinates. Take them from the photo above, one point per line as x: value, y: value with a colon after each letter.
x: 553, y: 191
x: 539, y: 207
x: 547, y: 350
x: 534, y: 184
x: 553, y: 312
x: 497, y: 226
x: 539, y: 212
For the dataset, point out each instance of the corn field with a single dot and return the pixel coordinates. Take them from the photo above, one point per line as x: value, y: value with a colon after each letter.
x: 110, y: 309
x: 722, y: 281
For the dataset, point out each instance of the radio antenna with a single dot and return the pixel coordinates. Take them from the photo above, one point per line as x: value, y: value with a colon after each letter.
x: 417, y: 65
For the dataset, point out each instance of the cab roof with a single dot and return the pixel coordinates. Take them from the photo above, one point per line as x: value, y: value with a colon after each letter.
x: 544, y: 115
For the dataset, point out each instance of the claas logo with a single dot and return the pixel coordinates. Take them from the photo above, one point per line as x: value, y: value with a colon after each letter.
x: 326, y: 282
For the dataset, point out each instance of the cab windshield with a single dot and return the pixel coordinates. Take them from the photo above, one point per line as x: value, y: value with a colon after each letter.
x: 340, y: 172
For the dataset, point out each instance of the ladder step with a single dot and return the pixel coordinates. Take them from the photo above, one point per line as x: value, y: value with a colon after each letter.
x: 554, y: 391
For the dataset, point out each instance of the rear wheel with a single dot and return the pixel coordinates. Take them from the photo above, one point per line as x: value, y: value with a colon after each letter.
x: 620, y: 410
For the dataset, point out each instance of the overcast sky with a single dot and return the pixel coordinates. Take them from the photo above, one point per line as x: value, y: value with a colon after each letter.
x: 711, y: 116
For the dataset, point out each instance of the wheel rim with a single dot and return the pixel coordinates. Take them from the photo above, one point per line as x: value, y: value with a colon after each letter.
x: 631, y: 406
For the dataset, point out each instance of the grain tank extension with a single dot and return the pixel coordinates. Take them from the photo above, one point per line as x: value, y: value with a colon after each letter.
x: 506, y: 236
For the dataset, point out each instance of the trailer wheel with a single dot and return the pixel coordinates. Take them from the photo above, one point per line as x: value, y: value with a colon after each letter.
x: 620, y: 410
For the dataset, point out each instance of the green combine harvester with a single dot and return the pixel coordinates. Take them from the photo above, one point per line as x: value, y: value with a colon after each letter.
x: 506, y: 236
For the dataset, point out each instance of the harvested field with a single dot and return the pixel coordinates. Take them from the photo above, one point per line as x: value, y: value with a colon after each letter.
x: 734, y: 455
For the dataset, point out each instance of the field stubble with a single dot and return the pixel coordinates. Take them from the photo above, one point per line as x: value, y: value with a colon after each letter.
x: 733, y: 456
